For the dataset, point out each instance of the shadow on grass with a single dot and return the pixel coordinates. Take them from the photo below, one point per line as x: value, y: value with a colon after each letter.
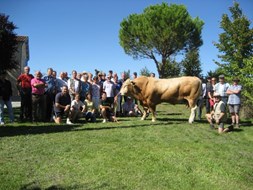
x: 33, y: 186
x: 46, y: 128
x: 34, y: 129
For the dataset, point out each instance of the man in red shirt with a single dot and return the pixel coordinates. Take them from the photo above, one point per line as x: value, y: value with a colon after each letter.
x: 25, y: 91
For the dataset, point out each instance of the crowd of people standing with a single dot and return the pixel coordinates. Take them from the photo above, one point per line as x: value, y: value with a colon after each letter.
x: 47, y: 98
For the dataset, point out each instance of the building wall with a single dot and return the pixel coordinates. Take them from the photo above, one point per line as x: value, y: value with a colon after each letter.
x: 22, y: 57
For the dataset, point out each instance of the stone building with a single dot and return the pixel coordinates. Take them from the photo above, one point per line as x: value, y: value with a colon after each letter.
x: 22, y: 57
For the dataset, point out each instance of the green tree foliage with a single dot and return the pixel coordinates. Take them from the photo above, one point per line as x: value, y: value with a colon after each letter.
x: 191, y: 64
x: 145, y: 72
x: 215, y: 73
x: 236, y: 46
x: 8, y: 44
x: 127, y: 73
x: 160, y: 32
x: 172, y: 68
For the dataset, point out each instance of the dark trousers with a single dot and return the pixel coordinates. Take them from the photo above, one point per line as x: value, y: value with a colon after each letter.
x: 48, y: 105
x: 208, y: 107
x: 121, y: 102
x: 26, y: 104
x: 38, y: 107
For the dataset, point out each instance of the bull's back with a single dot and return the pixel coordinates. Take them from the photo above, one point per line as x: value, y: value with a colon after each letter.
x: 174, y: 89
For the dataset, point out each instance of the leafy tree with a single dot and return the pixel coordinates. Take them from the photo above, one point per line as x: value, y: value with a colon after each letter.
x: 145, y: 72
x: 8, y: 44
x: 235, y: 43
x: 160, y: 32
x: 236, y: 46
x: 172, y: 68
x: 215, y: 73
x: 127, y: 73
x: 191, y: 64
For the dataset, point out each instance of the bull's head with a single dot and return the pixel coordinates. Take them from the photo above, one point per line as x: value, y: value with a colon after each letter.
x: 127, y: 88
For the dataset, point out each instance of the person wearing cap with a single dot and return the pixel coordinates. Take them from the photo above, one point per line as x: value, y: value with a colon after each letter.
x: 218, y: 115
x: 234, y: 102
x: 221, y: 87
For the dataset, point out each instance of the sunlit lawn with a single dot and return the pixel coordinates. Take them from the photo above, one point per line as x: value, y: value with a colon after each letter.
x: 131, y: 154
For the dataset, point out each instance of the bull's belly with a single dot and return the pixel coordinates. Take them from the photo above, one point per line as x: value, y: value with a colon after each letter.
x: 167, y: 100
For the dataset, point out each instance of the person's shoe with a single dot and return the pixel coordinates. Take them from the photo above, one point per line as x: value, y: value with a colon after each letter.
x: 226, y: 130
x: 212, y: 126
x: 104, y: 120
x: 237, y: 126
x: 68, y: 122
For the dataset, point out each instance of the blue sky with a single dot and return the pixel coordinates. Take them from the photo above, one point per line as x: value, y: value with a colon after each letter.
x: 83, y: 35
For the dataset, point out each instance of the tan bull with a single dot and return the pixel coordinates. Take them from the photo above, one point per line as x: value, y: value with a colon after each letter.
x: 151, y: 91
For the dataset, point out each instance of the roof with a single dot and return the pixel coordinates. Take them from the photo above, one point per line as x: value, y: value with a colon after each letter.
x: 22, y: 38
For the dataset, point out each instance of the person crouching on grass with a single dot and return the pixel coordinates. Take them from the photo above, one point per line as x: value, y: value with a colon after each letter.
x: 62, y: 106
x: 106, y: 109
x: 218, y: 115
x: 77, y: 108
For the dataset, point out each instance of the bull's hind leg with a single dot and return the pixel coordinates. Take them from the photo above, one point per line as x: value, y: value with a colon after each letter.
x: 193, y: 107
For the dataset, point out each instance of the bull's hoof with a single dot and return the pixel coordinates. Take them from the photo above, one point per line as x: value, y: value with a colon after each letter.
x: 190, y: 122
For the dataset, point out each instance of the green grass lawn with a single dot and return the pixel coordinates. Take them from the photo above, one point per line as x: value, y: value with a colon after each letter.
x: 131, y: 154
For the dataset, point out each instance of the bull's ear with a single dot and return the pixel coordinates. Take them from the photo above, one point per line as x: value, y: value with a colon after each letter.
x: 133, y: 83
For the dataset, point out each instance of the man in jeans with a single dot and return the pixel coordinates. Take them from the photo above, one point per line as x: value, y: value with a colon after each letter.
x: 50, y: 91
x: 5, y: 98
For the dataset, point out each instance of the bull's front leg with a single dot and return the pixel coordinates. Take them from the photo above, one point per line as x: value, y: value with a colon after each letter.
x: 145, y: 109
x: 153, y: 112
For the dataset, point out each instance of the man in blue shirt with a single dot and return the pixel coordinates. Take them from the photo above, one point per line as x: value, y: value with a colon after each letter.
x: 50, y: 92
x: 221, y: 88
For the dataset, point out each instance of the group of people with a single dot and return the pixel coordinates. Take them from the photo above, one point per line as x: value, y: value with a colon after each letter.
x: 220, y: 99
x: 48, y: 98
